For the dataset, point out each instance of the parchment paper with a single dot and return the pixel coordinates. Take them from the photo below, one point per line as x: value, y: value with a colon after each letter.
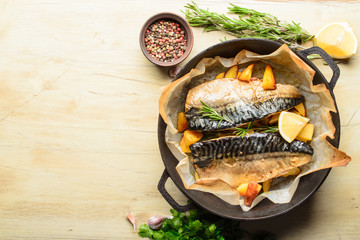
x: 288, y: 69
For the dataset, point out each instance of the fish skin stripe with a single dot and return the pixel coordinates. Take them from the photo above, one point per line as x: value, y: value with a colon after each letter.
x: 248, y: 148
x: 240, y: 114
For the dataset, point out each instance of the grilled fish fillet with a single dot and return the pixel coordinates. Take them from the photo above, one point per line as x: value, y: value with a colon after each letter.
x: 257, y: 157
x: 241, y: 102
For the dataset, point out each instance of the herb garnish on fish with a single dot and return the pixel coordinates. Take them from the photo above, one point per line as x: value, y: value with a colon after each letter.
x: 207, y: 111
x: 243, y: 131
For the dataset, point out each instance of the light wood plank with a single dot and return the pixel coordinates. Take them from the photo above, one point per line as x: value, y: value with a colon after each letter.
x: 79, y: 111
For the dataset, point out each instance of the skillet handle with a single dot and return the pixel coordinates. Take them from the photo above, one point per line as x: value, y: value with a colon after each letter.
x: 167, y: 196
x: 334, y: 67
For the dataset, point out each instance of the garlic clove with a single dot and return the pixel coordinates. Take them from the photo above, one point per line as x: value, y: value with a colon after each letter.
x: 155, y: 222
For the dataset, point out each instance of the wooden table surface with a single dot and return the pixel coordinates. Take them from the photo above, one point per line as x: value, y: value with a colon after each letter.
x: 78, y: 120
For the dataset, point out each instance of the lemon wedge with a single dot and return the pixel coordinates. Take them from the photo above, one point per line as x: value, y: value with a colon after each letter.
x: 290, y: 125
x: 337, y: 39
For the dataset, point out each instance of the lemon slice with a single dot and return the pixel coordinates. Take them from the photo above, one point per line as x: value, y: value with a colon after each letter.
x: 337, y: 39
x: 290, y: 125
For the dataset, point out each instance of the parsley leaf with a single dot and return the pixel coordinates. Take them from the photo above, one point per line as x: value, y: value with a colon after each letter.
x: 198, y: 224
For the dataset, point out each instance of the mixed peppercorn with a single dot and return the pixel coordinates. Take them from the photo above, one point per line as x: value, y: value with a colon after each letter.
x: 165, y: 40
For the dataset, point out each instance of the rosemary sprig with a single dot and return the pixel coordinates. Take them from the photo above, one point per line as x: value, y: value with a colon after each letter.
x: 267, y: 129
x: 250, y: 23
x: 243, y: 131
x: 317, y: 56
x: 314, y: 56
x: 207, y: 111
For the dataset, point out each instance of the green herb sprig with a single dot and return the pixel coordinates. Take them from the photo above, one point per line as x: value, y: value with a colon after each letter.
x: 250, y: 23
x: 243, y: 131
x: 207, y: 111
x: 250, y: 127
x: 317, y: 56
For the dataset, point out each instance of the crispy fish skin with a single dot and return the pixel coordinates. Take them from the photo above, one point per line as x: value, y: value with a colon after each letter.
x: 240, y: 101
x: 257, y: 157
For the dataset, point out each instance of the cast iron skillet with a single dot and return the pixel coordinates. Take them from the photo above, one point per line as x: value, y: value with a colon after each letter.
x: 308, y: 184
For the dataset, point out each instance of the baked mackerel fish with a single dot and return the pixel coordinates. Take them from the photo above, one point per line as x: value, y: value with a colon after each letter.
x: 256, y: 157
x: 239, y: 101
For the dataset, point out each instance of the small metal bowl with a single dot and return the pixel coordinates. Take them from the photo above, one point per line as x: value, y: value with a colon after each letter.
x: 175, y: 18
